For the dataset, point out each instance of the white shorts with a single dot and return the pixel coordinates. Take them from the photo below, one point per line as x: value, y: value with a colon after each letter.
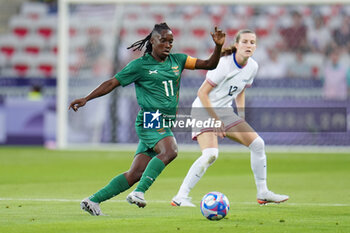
x: 227, y: 116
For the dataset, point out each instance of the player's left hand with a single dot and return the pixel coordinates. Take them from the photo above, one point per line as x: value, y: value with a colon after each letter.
x: 218, y: 36
x: 76, y: 104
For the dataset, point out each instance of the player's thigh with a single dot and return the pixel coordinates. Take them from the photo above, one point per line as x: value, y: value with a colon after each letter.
x: 242, y: 133
x: 207, y: 140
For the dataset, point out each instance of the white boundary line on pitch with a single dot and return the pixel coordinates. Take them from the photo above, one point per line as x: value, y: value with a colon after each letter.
x: 222, y: 147
x: 162, y: 201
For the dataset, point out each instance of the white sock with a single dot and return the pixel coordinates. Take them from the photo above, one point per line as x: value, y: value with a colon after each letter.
x: 258, y: 164
x: 197, y: 170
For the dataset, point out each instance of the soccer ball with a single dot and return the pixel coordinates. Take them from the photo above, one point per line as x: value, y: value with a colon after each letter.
x: 214, y: 206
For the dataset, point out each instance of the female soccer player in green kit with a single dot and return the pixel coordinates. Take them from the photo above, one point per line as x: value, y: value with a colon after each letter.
x: 157, y: 77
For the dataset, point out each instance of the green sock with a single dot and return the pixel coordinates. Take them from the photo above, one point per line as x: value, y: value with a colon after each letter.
x: 117, y: 185
x: 152, y: 171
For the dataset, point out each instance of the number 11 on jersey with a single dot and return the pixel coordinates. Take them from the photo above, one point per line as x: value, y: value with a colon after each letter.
x: 165, y: 83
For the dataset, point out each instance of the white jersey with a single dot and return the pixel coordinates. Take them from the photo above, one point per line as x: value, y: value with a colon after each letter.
x: 228, y: 79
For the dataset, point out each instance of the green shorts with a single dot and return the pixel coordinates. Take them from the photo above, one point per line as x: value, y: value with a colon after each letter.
x: 148, y: 138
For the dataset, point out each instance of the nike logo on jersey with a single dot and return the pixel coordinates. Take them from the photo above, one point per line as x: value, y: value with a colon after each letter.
x: 153, y: 71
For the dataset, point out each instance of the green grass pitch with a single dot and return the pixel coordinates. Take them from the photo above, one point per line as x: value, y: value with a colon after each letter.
x: 40, y: 191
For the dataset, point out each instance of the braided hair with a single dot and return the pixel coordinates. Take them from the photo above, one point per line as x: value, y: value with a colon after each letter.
x: 138, y: 45
x: 232, y: 49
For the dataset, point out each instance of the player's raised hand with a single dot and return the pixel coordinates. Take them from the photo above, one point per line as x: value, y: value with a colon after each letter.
x: 76, y: 104
x: 218, y: 36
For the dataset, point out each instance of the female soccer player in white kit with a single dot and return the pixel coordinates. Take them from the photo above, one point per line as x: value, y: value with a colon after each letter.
x: 236, y: 71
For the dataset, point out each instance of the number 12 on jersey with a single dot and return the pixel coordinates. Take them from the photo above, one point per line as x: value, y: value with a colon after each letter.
x: 165, y: 83
x: 232, y: 89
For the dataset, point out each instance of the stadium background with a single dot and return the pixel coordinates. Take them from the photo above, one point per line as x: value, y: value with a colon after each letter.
x: 296, y: 46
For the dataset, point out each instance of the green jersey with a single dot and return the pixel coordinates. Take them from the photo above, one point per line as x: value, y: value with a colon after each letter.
x: 157, y: 84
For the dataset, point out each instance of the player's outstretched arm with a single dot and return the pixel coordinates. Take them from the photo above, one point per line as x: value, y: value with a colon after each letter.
x: 211, y: 63
x: 101, y: 90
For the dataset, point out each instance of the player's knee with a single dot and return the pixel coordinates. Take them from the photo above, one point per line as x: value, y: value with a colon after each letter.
x: 168, y: 155
x: 210, y: 155
x: 258, y: 144
x: 172, y: 154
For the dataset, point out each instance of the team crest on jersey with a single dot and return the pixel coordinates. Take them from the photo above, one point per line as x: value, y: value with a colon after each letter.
x: 176, y: 70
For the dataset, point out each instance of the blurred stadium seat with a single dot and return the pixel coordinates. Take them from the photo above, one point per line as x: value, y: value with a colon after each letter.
x: 33, y: 44
x: 21, y: 26
x: 143, y: 27
x: 75, y: 26
x: 21, y: 65
x: 34, y: 10
x: 263, y: 26
x: 45, y: 65
x: 316, y: 62
x: 46, y: 27
x: 9, y: 45
x: 200, y: 27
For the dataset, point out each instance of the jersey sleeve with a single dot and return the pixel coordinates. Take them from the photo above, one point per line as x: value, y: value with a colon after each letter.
x: 214, y: 77
x: 129, y: 74
x: 186, y: 61
x: 190, y: 63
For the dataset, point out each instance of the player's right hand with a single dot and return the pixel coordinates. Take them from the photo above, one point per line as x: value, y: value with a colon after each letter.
x: 76, y: 104
x: 220, y: 131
